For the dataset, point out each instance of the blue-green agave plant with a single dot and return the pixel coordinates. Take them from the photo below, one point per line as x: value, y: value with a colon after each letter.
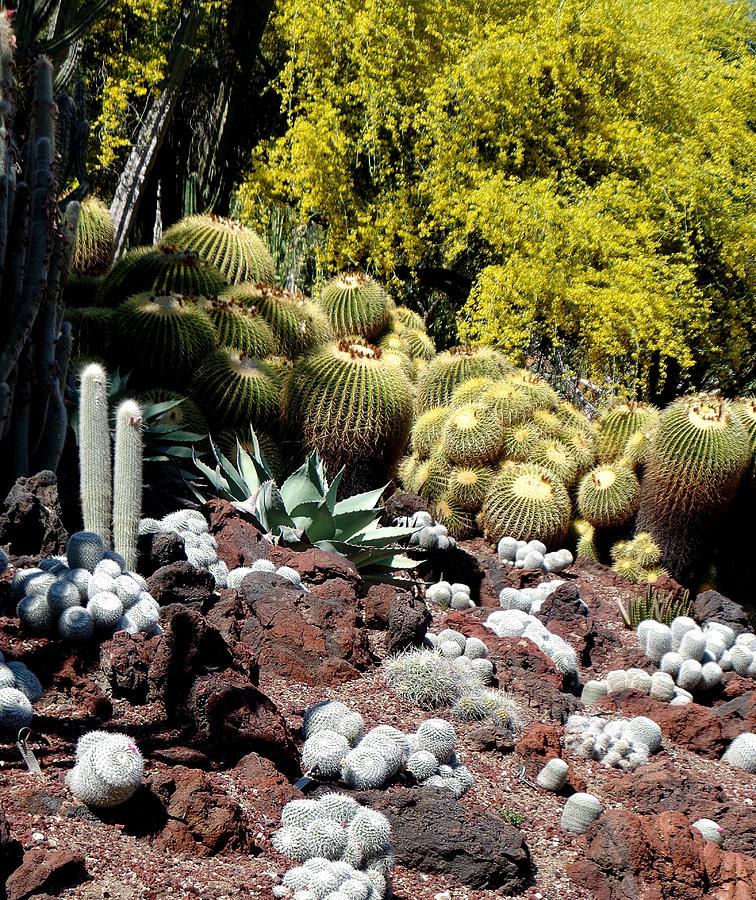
x: 304, y: 511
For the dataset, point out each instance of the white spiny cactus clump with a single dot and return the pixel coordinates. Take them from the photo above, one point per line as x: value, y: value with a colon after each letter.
x: 450, y: 596
x: 109, y: 769
x: 429, y: 678
x: 710, y: 830
x: 515, y: 623
x: 742, y: 752
x: 345, y: 849
x: 495, y: 706
x: 580, y: 812
x: 553, y: 776
x: 658, y: 685
x: 91, y: 598
x: 200, y: 547
x: 333, y: 715
x: 696, y: 657
x: 528, y: 600
x: 532, y: 555
x: 429, y: 535
x: 619, y: 743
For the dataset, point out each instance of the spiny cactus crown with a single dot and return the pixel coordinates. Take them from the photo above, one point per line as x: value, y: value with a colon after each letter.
x: 109, y: 769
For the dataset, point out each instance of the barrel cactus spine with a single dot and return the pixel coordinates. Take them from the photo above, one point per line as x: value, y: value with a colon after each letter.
x: 472, y: 435
x: 355, y: 304
x: 427, y: 431
x: 608, y: 496
x: 618, y: 423
x: 238, y: 328
x: 234, y: 390
x: 448, y: 370
x: 95, y: 238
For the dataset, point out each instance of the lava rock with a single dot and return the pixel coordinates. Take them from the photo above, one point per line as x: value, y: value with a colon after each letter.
x: 11, y: 853
x: 31, y: 522
x: 409, y: 620
x: 433, y: 833
x: 158, y: 550
x: 46, y: 870
x: 240, y: 543
x: 181, y: 582
x: 715, y: 607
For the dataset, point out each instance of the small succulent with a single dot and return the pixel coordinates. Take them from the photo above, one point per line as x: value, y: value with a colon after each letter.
x: 446, y: 595
x: 621, y: 743
x: 710, y: 830
x: 528, y: 600
x: 109, y: 768
x: 428, y: 678
x: 654, y: 604
x: 742, y: 752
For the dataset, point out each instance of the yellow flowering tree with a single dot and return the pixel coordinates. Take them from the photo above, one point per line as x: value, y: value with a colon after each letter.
x: 586, y: 167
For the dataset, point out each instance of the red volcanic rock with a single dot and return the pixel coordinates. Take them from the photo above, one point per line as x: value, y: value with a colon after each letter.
x: 296, y: 634
x: 660, y: 785
x: 739, y: 824
x: 694, y: 727
x: 409, y: 620
x: 540, y: 743
x: 240, y: 543
x: 181, y: 582
x: 376, y: 606
x: 46, y: 870
x: 262, y: 788
x: 733, y: 685
x: 202, y: 819
x: 318, y: 567
x: 737, y: 715
x: 656, y: 857
x: 31, y: 521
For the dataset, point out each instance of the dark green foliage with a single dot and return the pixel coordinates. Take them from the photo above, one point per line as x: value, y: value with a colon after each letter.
x: 662, y: 606
x: 90, y: 329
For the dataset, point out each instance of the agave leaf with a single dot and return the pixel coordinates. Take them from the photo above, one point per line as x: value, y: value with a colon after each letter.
x: 299, y: 488
x: 315, y: 520
x: 214, y: 477
x: 270, y: 508
x: 366, y: 500
x: 171, y: 450
x: 292, y: 537
x: 157, y: 409
x: 240, y: 488
x: 333, y: 489
x: 251, y: 472
x: 318, y: 471
x: 380, y: 537
x: 349, y: 524
x: 357, y: 554
x: 258, y: 457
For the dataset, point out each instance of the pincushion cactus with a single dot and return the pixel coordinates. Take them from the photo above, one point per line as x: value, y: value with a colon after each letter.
x: 323, y: 754
x: 25, y: 680
x: 616, y: 744
x: 15, y: 709
x: 553, y: 776
x: 528, y: 600
x: 427, y: 678
x: 593, y: 691
x: 742, y: 752
x: 513, y: 623
x: 109, y: 768
x: 532, y: 555
x: 710, y: 830
x: 580, y: 812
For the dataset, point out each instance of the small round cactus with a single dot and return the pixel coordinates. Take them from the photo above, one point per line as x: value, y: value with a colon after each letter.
x: 15, y: 709
x: 109, y: 769
x: 710, y: 830
x: 25, y: 680
x: 593, y: 691
x: 84, y: 550
x: 580, y: 812
x: 76, y: 624
x: 323, y: 754
x: 438, y: 737
x: 742, y: 752
x: 553, y: 776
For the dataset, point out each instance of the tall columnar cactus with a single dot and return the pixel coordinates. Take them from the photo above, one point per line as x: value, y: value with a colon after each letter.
x: 94, y: 452
x: 127, y: 478
x: 228, y: 245
x: 698, y: 457
x: 35, y: 256
x: 355, y: 305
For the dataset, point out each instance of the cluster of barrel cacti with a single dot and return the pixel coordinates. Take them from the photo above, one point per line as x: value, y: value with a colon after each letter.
x: 109, y: 769
x: 495, y: 448
x: 88, y: 594
x: 618, y: 743
x: 516, y: 623
x: 19, y: 688
x: 337, y: 747
x: 345, y: 849
x: 696, y: 657
x: 198, y: 317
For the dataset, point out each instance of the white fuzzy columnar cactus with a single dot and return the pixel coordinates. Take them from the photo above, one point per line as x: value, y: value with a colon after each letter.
x: 127, y: 480
x: 696, y: 657
x: 742, y: 752
x: 580, y: 812
x: 109, y: 768
x: 94, y: 452
x: 553, y: 776
x: 345, y: 849
x: 516, y: 623
x: 623, y: 743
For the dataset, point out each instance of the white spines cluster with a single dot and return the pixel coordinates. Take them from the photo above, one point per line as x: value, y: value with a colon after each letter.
x: 515, y: 623
x: 19, y: 688
x: 620, y: 743
x: 336, y: 748
x: 710, y: 830
x: 109, y: 768
x: 200, y: 547
x: 658, y: 685
x: 742, y: 752
x: 580, y: 812
x: 345, y: 849
x: 528, y: 600
x: 446, y: 595
x: 533, y: 555
x: 696, y: 657
x: 429, y: 679
x: 470, y: 653
x: 553, y: 776
x: 429, y: 535
x: 236, y: 576
x: 87, y: 594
